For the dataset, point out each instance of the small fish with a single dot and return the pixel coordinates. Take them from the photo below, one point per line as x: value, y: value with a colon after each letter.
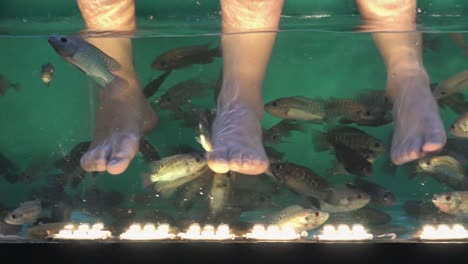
x: 172, y: 172
x: 282, y: 129
x: 352, y: 111
x: 299, y: 218
x: 26, y: 213
x: 152, y: 87
x: 47, y: 73
x: 453, y: 203
x: 90, y: 60
x: 300, y: 179
x: 446, y: 165
x: 190, y: 192
x: 148, y: 151
x: 182, y: 57
x: 204, y: 130
x: 453, y: 84
x: 352, y: 161
x: 220, y: 193
x: 426, y: 212
x: 343, y: 199
x: 459, y: 127
x: 184, y: 92
x: 379, y: 195
x: 352, y: 137
x: 5, y: 85
x: 298, y: 108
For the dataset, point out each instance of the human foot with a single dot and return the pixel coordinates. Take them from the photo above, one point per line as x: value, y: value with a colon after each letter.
x: 418, y: 127
x: 237, y: 141
x: 121, y: 121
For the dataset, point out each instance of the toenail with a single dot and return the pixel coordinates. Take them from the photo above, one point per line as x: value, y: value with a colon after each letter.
x: 220, y: 160
x: 115, y: 161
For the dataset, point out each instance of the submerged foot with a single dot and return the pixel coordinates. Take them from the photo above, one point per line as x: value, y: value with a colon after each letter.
x: 120, y: 123
x: 237, y: 141
x: 418, y: 127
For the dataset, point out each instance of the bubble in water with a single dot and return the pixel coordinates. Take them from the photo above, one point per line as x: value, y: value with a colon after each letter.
x: 419, y: 10
x: 197, y: 3
x: 25, y: 20
x: 417, y: 43
x: 201, y: 193
x: 151, y: 17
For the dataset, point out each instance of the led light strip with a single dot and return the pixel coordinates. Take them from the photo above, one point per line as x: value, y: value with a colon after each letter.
x: 195, y: 232
x: 148, y: 232
x: 273, y: 232
x: 83, y: 232
x: 443, y: 232
x: 343, y: 233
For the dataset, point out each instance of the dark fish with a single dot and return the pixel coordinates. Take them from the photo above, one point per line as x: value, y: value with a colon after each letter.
x: 276, y: 133
x: 459, y: 127
x: 71, y: 161
x: 249, y: 200
x: 370, y: 216
x: 456, y: 102
x: 182, y: 57
x: 152, y: 87
x: 300, y: 179
x: 379, y: 195
x: 47, y: 73
x: 5, y: 84
x: 148, y: 151
x: 353, y: 162
x: 192, y: 191
x: 184, y: 92
x: 454, y: 84
x: 427, y: 212
x: 298, y: 108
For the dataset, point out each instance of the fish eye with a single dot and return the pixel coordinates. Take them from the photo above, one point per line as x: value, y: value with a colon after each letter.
x: 274, y: 104
x: 163, y: 64
x: 452, y: 126
x: 306, y: 218
x: 274, y: 136
x: 386, y: 196
x: 197, y: 159
x: 13, y: 216
x: 167, y: 99
x: 262, y: 199
x: 359, y: 196
x: 317, y: 214
x: 448, y: 198
x: 367, y: 113
x: 63, y: 39
x: 278, y: 166
x: 443, y: 92
x: 428, y: 163
x: 377, y: 144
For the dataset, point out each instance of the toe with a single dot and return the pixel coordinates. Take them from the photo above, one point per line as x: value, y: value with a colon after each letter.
x: 434, y: 141
x: 414, y: 150
x: 217, y: 161
x: 254, y: 164
x: 123, y: 151
x: 95, y: 160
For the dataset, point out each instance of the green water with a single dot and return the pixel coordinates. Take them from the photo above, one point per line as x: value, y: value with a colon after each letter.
x: 40, y: 121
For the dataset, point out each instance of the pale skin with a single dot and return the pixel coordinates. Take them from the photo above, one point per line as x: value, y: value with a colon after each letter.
x: 237, y: 146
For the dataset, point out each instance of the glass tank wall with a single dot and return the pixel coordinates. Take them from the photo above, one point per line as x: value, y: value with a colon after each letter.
x: 327, y: 130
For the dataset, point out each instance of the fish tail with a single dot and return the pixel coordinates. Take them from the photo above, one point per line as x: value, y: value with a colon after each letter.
x: 166, y: 189
x: 319, y: 140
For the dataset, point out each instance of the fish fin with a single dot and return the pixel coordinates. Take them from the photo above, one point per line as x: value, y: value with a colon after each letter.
x: 146, y: 180
x: 319, y: 140
x: 111, y: 63
x: 117, y: 85
x: 273, y: 154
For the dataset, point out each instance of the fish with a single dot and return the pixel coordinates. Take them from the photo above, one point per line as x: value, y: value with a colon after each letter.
x: 96, y: 64
x: 459, y: 127
x: 354, y: 138
x: 352, y: 161
x: 341, y: 198
x: 453, y: 203
x: 454, y: 84
x: 192, y: 191
x: 298, y: 218
x: 172, y: 172
x: 152, y: 87
x: 184, y: 92
x: 298, y: 108
x: 204, y: 129
x: 379, y: 195
x: 388, y: 229
x: 367, y: 216
x: 456, y: 102
x: 220, y: 192
x: 149, y: 152
x: 426, y: 212
x: 5, y: 84
x: 182, y: 57
x: 446, y: 169
x: 276, y: 133
x: 26, y: 213
x: 348, y: 111
x: 35, y: 169
x: 300, y: 179
x: 47, y: 73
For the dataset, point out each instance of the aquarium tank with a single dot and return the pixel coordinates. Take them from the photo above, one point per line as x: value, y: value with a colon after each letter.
x: 148, y: 133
